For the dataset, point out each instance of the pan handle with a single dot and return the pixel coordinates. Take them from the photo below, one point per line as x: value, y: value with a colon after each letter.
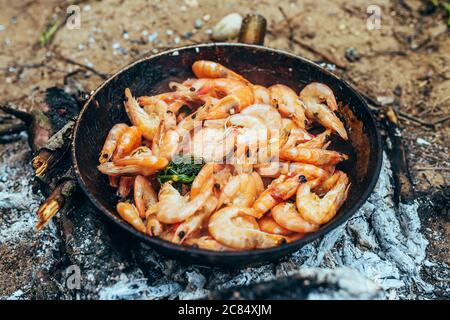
x: 253, y: 29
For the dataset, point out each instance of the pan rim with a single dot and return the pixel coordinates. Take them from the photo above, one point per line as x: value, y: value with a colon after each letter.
x: 376, y: 155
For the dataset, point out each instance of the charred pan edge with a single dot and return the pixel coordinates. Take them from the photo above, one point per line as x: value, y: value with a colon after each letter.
x: 248, y: 257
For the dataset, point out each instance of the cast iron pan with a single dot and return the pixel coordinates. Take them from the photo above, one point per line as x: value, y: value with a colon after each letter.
x: 261, y: 65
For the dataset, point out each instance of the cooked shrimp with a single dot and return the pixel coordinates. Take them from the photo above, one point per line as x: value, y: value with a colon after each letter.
x: 279, y: 190
x: 235, y: 96
x: 321, y: 210
x: 194, y: 223
x: 173, y: 208
x: 212, y: 144
x: 262, y: 94
x: 240, y: 191
x: 111, y: 142
x: 266, y: 113
x: 259, y: 184
x: 286, y: 215
x: 125, y: 186
x: 113, y: 170
x: 207, y: 243
x: 313, y: 95
x: 223, y: 229
x: 144, y: 195
x: 321, y: 141
x: 288, y: 103
x: 166, y: 143
x: 202, y: 177
x: 144, y: 161
x: 326, y: 185
x: 269, y: 225
x: 129, y: 213
x: 246, y: 121
x: 210, y: 69
x: 128, y: 141
x: 312, y: 156
x: 147, y: 123
x: 154, y: 228
x: 309, y: 171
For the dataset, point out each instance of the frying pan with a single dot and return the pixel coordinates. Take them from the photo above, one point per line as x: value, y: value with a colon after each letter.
x: 260, y: 65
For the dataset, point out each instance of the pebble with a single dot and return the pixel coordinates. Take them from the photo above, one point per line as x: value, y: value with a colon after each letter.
x: 188, y: 35
x: 198, y: 23
x: 177, y: 40
x: 352, y: 54
x: 206, y: 17
x: 125, y: 35
x: 422, y: 142
x: 153, y: 36
x: 385, y: 100
x: 169, y: 32
x: 398, y: 91
x: 2, y: 27
x: 227, y: 28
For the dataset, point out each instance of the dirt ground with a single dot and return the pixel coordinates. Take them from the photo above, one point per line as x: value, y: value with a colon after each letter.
x: 405, y: 63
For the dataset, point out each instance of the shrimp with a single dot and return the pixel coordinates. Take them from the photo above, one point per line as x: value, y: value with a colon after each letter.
x: 288, y: 103
x: 144, y: 195
x: 321, y: 210
x: 317, y: 157
x: 259, y: 184
x: 202, y: 177
x: 286, y: 215
x: 144, y: 161
x: 321, y: 141
x: 269, y: 225
x: 125, y: 186
x: 279, y: 190
x: 262, y: 94
x: 223, y: 229
x: 113, y: 170
x: 326, y: 185
x: 129, y: 140
x: 309, y: 171
x: 165, y: 143
x: 173, y: 208
x: 241, y: 120
x: 207, y: 243
x: 147, y: 123
x: 111, y: 142
x: 129, y: 213
x: 194, y: 223
x: 240, y: 191
x: 234, y: 96
x: 266, y: 113
x: 153, y: 227
x: 210, y: 69
x: 313, y: 95
x: 212, y: 144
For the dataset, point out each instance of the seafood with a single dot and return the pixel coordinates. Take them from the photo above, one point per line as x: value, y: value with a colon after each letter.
x: 313, y: 95
x: 279, y: 190
x: 317, y: 157
x: 144, y: 195
x: 288, y: 103
x: 211, y: 69
x: 321, y: 210
x: 111, y: 142
x: 147, y: 123
x: 240, y: 191
x: 129, y: 213
x: 287, y: 216
x: 222, y: 164
x: 128, y: 141
x: 223, y: 229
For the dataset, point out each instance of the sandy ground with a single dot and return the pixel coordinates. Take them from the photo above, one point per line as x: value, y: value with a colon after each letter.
x: 405, y: 63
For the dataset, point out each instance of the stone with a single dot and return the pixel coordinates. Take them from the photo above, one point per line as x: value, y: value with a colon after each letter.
x: 227, y: 28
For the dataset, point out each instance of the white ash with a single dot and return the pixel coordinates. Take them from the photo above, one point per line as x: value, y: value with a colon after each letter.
x: 380, y: 243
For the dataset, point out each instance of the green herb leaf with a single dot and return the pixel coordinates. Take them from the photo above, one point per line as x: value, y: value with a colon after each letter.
x: 181, y: 170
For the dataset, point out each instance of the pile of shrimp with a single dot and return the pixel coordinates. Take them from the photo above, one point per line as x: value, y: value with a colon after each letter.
x: 290, y: 190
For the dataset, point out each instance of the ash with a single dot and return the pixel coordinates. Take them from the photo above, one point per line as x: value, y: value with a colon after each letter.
x: 377, y: 254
